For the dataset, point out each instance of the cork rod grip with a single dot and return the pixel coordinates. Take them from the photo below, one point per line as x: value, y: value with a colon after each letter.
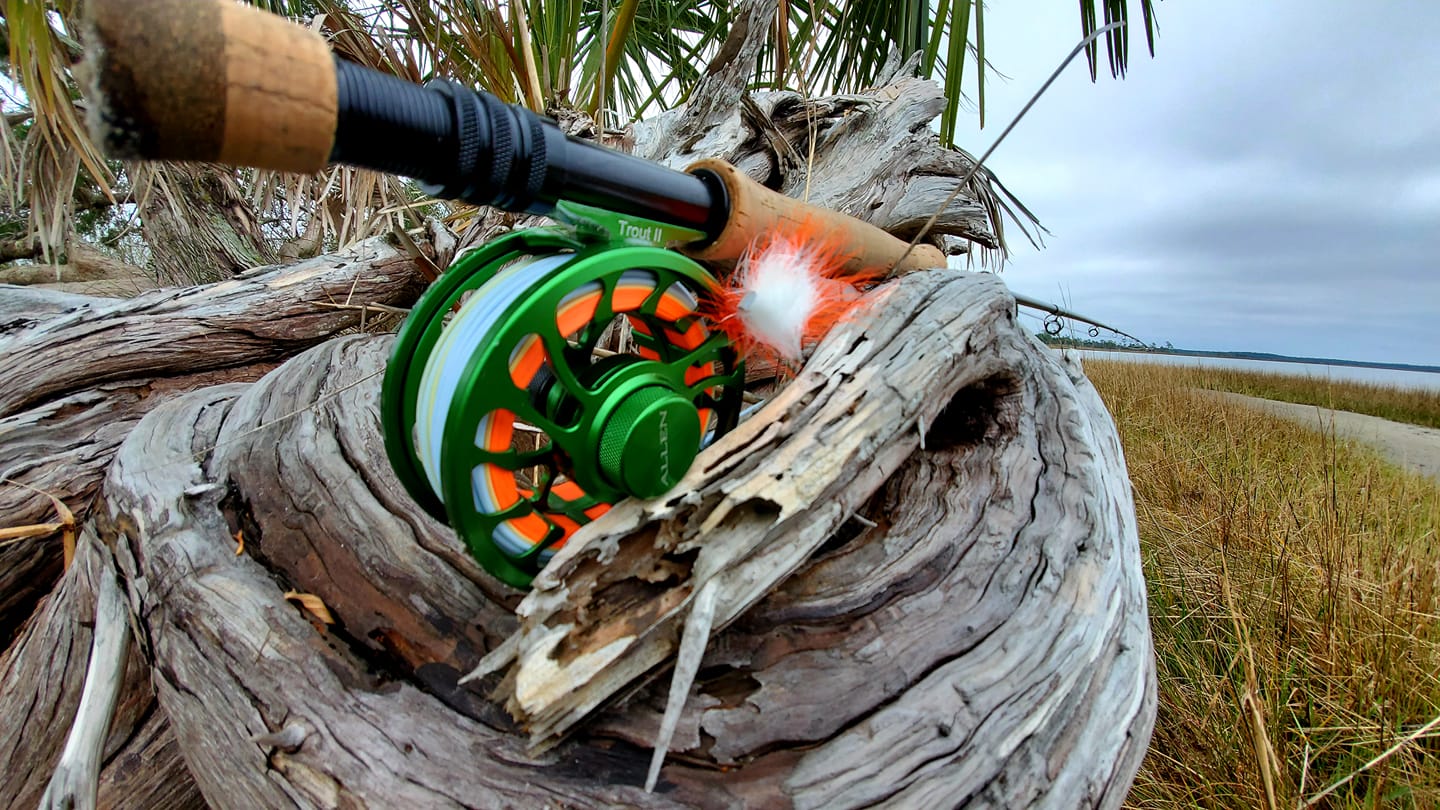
x: 756, y: 210
x: 209, y: 80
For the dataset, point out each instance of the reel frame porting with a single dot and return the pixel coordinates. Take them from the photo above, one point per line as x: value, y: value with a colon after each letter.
x: 610, y: 427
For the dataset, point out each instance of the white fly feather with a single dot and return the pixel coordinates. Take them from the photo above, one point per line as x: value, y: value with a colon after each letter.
x: 780, y: 290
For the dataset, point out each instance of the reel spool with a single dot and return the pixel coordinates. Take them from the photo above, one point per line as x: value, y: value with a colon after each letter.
x: 504, y: 421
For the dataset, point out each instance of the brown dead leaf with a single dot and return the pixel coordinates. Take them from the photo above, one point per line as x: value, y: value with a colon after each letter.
x: 240, y: 547
x: 312, y: 604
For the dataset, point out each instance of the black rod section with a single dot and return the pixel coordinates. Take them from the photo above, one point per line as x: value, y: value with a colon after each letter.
x: 468, y: 145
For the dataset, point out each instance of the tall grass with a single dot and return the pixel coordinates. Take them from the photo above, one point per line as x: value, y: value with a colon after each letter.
x: 1293, y: 586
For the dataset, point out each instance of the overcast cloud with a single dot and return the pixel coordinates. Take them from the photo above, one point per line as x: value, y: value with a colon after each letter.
x: 1270, y: 181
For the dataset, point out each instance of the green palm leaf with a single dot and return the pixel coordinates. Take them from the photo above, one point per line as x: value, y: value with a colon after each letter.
x: 852, y: 42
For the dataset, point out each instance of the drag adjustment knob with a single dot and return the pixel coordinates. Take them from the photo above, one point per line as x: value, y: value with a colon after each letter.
x: 649, y: 441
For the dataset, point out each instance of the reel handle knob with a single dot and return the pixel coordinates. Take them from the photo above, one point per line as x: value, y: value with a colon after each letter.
x: 649, y: 442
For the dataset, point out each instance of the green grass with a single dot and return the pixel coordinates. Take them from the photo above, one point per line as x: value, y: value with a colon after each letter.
x: 1294, y: 588
x: 1416, y: 406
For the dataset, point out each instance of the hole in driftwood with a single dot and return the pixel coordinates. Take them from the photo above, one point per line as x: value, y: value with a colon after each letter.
x: 624, y: 609
x: 848, y: 532
x: 987, y: 409
x: 727, y: 684
x: 632, y: 591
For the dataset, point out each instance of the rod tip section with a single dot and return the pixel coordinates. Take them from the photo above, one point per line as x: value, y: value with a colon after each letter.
x: 208, y: 80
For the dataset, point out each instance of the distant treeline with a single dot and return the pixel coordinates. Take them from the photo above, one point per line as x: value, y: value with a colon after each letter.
x: 1065, y: 341
x: 1068, y: 342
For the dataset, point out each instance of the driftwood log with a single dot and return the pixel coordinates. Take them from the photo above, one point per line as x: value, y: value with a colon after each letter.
x: 79, y: 372
x: 911, y: 579
x: 965, y: 620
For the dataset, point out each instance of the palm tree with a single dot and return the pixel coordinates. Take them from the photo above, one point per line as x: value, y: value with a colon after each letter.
x: 614, y: 62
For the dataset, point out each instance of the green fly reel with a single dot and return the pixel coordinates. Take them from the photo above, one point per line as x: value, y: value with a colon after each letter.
x: 503, y: 416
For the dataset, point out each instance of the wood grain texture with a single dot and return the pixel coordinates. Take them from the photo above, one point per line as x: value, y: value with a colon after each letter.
x: 984, y: 642
x: 86, y: 369
x: 42, y: 676
x: 76, y: 779
x: 993, y: 618
x: 148, y: 772
x: 61, y: 447
x: 266, y: 314
x: 268, y: 708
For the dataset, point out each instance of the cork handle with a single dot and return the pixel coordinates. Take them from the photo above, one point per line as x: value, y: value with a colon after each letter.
x: 755, y: 210
x: 209, y: 80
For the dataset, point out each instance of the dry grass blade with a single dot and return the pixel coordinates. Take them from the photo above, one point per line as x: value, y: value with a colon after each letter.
x: 66, y: 523
x: 1386, y: 754
x: 14, y: 534
x: 1264, y: 752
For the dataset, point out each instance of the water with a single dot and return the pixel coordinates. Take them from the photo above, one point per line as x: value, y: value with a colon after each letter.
x: 1381, y: 376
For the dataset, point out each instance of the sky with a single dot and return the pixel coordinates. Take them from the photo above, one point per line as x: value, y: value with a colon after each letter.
x: 1269, y: 181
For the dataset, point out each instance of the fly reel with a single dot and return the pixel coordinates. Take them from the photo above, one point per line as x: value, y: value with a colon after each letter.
x: 504, y: 418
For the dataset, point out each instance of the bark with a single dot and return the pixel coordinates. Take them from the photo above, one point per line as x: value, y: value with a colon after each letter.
x: 42, y: 675
x: 83, y: 264
x: 148, y: 771
x: 41, y: 680
x: 199, y: 225
x: 77, y: 775
x: 87, y: 369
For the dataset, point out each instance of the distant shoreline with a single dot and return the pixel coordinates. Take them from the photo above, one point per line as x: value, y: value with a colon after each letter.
x: 1274, y: 358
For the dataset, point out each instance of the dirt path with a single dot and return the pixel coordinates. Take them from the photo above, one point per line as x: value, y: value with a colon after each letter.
x: 1410, y: 446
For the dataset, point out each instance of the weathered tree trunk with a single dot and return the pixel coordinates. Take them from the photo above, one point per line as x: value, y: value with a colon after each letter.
x: 912, y: 578
x: 84, y: 264
x: 81, y: 371
x: 199, y: 225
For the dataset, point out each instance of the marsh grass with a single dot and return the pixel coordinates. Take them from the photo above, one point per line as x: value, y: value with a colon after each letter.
x: 1293, y: 586
x: 1416, y: 406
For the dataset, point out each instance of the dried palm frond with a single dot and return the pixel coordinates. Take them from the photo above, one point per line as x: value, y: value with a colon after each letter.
x: 42, y: 50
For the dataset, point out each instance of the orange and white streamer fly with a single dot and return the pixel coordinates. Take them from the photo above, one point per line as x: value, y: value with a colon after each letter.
x: 787, y: 292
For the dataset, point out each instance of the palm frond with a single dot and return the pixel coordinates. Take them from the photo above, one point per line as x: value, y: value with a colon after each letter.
x: 56, y: 145
x: 1117, y: 42
x: 855, y: 39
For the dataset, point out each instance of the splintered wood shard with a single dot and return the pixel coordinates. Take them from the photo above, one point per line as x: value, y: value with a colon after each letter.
x: 687, y: 666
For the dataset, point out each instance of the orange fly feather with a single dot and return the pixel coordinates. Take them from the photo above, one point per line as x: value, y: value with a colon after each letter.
x: 788, y: 290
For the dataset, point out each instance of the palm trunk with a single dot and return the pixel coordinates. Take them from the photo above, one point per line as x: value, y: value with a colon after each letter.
x: 199, y: 225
